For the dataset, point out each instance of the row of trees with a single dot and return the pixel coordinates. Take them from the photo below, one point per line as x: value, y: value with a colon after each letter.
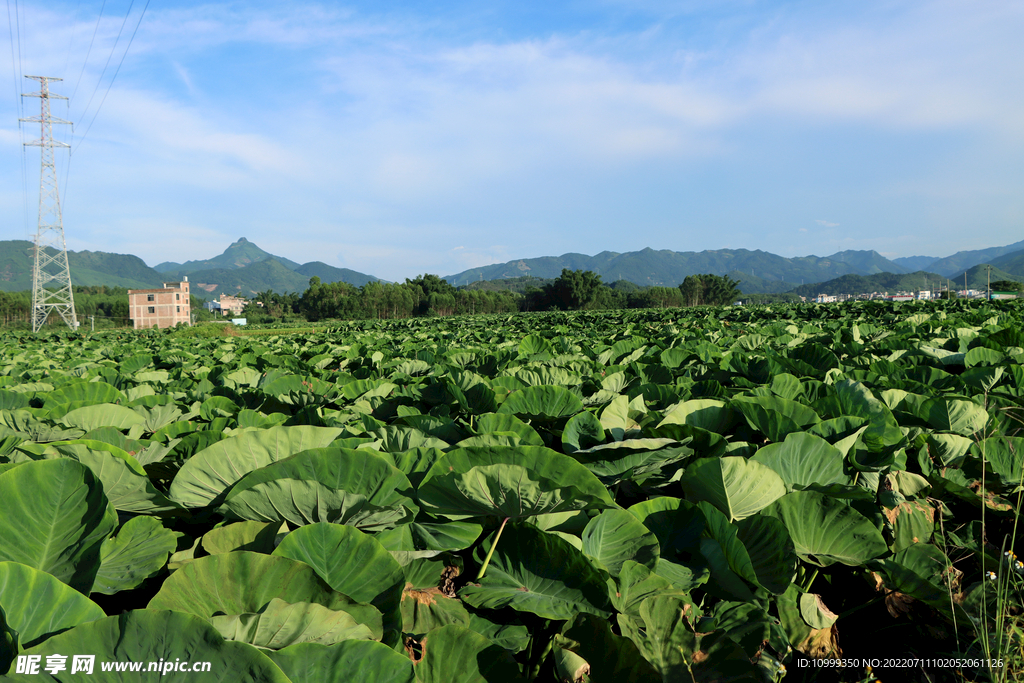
x: 582, y: 289
x: 709, y: 290
x: 425, y: 295
x: 430, y: 295
x: 107, y: 305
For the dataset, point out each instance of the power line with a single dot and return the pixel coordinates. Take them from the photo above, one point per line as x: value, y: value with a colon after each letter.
x: 112, y: 79
x: 89, y: 51
x: 113, y: 48
x: 116, y: 71
x: 71, y: 43
x: 99, y: 81
x: 14, y: 29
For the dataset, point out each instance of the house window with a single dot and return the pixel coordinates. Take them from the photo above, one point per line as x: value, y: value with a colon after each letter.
x: 179, y: 309
x: 152, y: 309
x: 151, y: 297
x: 177, y: 297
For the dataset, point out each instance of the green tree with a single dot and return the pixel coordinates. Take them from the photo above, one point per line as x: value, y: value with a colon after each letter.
x: 709, y: 290
x: 575, y: 289
x: 1006, y: 286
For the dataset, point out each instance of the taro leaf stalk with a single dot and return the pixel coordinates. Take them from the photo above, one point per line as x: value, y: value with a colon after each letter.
x: 494, y: 544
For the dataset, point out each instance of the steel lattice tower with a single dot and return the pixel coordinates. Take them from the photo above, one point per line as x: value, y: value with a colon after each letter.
x: 51, y: 252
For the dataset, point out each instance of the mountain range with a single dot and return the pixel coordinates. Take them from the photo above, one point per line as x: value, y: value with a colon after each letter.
x: 962, y: 260
x: 244, y: 268
x: 758, y: 271
x: 761, y: 271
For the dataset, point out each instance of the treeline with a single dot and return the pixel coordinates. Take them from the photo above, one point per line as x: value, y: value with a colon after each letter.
x: 429, y: 295
x: 583, y: 289
x: 108, y: 305
x: 424, y: 296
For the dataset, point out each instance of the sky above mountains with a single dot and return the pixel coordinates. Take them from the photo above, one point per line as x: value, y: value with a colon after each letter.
x: 408, y: 137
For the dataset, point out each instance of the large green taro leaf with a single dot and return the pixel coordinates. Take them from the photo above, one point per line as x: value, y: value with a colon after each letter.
x: 245, y: 583
x: 124, y: 480
x: 543, y: 402
x: 757, y: 548
x: 703, y: 413
x: 952, y: 415
x: 533, y: 345
x: 747, y: 623
x: 918, y: 571
x: 453, y: 654
x: 810, y: 359
x: 426, y: 610
x: 430, y: 536
x: 804, y: 460
x: 150, y: 636
x: 634, y: 584
x: 512, y: 635
x: 615, y: 536
x: 281, y: 624
x: 827, y: 530
x: 737, y: 486
x: 642, y: 461
x: 504, y: 423
x: 350, y: 562
x: 612, y: 658
x: 139, y: 550
x: 55, y: 518
x: 301, y: 391
x: 534, y: 571
x: 723, y: 582
x: 346, y: 662
x: 211, y: 471
x: 948, y: 449
x: 10, y: 400
x: 28, y: 426
x: 103, y: 415
x: 678, y: 524
x: 582, y: 431
x: 668, y: 640
x: 338, y: 485
x: 83, y: 393
x: 774, y: 417
x: 38, y: 605
x: 1005, y: 455
x: 509, y: 482
x: 257, y: 537
x: 983, y: 356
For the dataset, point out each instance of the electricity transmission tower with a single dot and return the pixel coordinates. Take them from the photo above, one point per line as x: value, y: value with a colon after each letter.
x: 51, y: 252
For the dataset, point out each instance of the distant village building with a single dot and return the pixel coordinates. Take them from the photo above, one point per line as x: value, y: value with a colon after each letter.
x: 227, y: 305
x: 165, y: 307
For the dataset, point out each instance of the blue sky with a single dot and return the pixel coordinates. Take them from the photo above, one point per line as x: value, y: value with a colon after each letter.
x: 409, y: 137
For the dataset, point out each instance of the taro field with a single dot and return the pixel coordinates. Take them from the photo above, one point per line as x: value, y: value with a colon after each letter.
x: 805, y: 492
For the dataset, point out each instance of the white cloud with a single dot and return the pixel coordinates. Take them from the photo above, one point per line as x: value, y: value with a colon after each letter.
x: 304, y: 125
